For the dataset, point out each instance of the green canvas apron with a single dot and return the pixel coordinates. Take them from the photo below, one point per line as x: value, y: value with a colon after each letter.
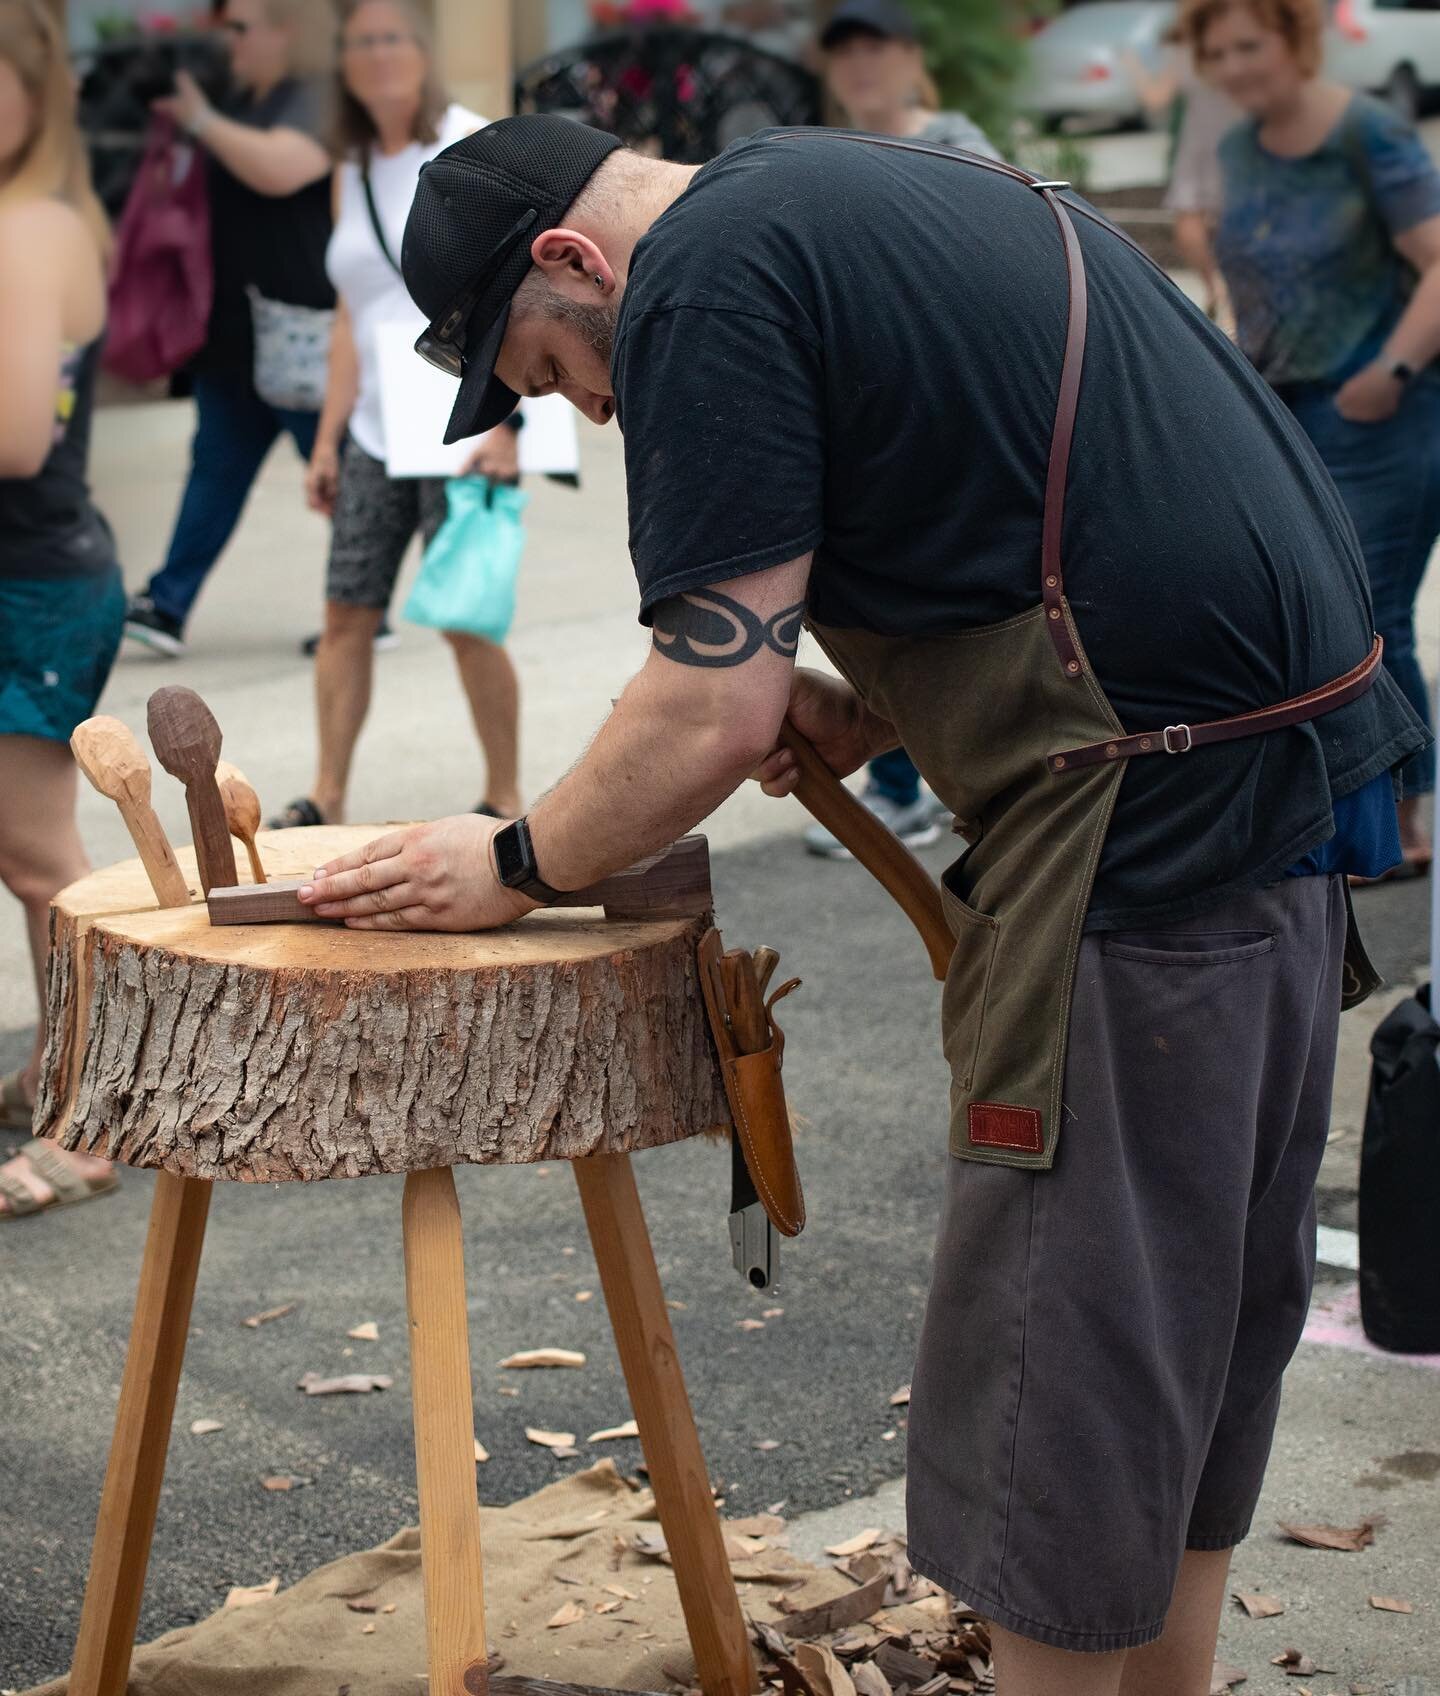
x: 1029, y: 755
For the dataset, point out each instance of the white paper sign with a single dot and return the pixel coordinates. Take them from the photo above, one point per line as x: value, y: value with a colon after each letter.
x: 415, y: 403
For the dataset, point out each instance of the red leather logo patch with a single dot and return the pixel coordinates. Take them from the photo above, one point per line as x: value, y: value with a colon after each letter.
x: 1005, y: 1127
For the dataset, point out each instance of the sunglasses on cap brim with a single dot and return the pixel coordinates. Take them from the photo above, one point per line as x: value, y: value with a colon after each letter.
x: 442, y: 342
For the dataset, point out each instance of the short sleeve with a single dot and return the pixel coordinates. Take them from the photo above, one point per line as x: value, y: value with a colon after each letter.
x: 1404, y: 183
x: 301, y: 107
x: 723, y: 416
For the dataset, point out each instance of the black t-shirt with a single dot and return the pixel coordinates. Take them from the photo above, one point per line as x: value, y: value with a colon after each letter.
x: 857, y: 350
x: 275, y: 243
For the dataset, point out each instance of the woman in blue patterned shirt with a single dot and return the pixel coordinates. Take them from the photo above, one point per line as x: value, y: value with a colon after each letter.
x: 1329, y: 241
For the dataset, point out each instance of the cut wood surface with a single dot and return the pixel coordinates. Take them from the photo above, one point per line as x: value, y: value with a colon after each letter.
x: 273, y: 1053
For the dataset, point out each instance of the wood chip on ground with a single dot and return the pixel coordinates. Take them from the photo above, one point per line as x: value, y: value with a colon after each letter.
x: 628, y: 1429
x: 1350, y: 1539
x: 256, y: 1320
x: 530, y: 1358
x: 247, y: 1595
x: 1391, y: 1605
x: 1297, y: 1664
x: 352, y: 1384
x: 550, y: 1439
x: 1259, y: 1607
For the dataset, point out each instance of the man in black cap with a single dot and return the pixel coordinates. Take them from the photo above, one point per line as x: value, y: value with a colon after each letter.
x: 1064, y: 546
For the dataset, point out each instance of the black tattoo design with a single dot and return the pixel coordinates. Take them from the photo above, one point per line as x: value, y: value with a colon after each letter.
x: 706, y: 628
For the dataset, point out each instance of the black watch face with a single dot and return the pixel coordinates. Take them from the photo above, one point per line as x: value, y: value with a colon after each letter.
x: 511, y: 859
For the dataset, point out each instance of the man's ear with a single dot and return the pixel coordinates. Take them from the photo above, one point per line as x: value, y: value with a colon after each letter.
x: 574, y: 266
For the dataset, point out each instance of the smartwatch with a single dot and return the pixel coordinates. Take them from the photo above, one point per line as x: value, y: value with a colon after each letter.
x: 515, y: 862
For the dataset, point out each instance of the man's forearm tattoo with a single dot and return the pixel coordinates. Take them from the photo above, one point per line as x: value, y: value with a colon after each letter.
x: 706, y: 628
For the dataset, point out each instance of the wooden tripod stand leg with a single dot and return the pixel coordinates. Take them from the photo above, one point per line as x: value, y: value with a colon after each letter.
x: 142, y: 1434
x: 444, y: 1435
x: 646, y: 1344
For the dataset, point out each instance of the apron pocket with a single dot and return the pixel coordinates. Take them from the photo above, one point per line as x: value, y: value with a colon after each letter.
x: 967, y: 985
x: 1188, y: 947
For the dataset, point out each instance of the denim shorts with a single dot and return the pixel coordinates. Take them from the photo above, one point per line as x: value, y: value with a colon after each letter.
x: 58, y: 637
x: 1099, y: 1368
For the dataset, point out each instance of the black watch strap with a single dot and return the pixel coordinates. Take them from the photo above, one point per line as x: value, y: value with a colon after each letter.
x: 515, y: 862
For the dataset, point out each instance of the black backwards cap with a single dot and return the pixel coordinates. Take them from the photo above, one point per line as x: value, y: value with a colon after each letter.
x: 871, y: 17
x: 478, y: 208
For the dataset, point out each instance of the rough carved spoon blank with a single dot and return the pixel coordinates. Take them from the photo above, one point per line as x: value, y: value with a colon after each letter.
x: 186, y: 740
x: 242, y: 812
x: 108, y: 754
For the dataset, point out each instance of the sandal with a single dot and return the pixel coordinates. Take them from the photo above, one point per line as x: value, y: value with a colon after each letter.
x: 16, y: 1113
x: 297, y: 815
x: 68, y: 1186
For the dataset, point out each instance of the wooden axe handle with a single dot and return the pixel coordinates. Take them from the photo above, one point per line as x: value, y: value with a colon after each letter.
x: 879, y: 850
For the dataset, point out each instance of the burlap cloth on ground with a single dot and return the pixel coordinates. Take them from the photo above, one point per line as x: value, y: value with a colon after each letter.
x: 307, y: 1640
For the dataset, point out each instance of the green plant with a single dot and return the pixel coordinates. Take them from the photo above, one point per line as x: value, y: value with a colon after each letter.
x: 976, y: 51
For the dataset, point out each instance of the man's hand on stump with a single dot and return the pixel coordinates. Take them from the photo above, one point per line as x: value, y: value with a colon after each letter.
x: 437, y: 876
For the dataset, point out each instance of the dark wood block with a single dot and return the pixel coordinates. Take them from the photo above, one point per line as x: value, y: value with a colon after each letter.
x: 673, y: 884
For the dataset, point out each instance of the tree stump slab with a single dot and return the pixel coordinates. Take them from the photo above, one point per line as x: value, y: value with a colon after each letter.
x: 279, y: 1052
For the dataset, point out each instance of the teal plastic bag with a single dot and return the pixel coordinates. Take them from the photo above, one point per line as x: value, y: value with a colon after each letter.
x: 467, y: 575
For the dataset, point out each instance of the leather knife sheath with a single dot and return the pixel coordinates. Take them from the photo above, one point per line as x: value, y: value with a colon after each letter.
x: 752, y: 1079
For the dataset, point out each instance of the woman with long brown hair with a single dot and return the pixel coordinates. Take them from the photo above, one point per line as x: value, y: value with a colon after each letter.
x: 392, y: 116
x: 61, y: 603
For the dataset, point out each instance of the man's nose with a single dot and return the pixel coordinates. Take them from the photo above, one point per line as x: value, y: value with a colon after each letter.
x: 597, y: 408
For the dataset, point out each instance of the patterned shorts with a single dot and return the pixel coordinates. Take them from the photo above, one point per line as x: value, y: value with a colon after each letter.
x: 375, y: 517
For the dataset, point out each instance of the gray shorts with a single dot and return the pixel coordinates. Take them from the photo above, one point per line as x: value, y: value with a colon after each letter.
x: 1099, y: 1368
x: 375, y: 517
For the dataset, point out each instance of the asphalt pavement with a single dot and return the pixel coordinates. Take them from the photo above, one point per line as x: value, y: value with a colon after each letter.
x: 865, y: 1074
x: 863, y: 1069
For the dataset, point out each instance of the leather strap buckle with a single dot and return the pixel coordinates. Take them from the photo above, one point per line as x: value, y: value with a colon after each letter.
x: 1186, y: 746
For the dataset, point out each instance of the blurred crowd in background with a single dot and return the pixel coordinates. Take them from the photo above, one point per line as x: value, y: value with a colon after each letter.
x: 212, y: 207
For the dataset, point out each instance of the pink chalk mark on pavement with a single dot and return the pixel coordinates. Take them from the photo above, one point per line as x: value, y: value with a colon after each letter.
x: 1335, y: 1323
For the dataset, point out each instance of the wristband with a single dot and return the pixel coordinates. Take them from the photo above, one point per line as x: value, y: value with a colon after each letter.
x: 201, y: 121
x: 1401, y: 370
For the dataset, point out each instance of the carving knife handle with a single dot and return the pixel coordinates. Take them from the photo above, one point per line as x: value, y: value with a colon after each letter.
x: 879, y: 850
x: 213, y: 849
x: 156, y: 855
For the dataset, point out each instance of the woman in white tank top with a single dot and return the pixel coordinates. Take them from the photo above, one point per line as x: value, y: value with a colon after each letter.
x: 392, y: 118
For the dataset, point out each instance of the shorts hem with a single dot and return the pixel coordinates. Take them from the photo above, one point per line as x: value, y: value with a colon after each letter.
x: 37, y: 732
x: 1057, y: 1637
x: 1220, y: 1540
x: 360, y: 598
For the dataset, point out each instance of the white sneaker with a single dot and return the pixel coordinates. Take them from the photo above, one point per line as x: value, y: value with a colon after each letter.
x: 915, y: 825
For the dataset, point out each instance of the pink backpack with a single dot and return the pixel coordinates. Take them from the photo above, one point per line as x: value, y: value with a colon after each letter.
x: 162, y: 281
